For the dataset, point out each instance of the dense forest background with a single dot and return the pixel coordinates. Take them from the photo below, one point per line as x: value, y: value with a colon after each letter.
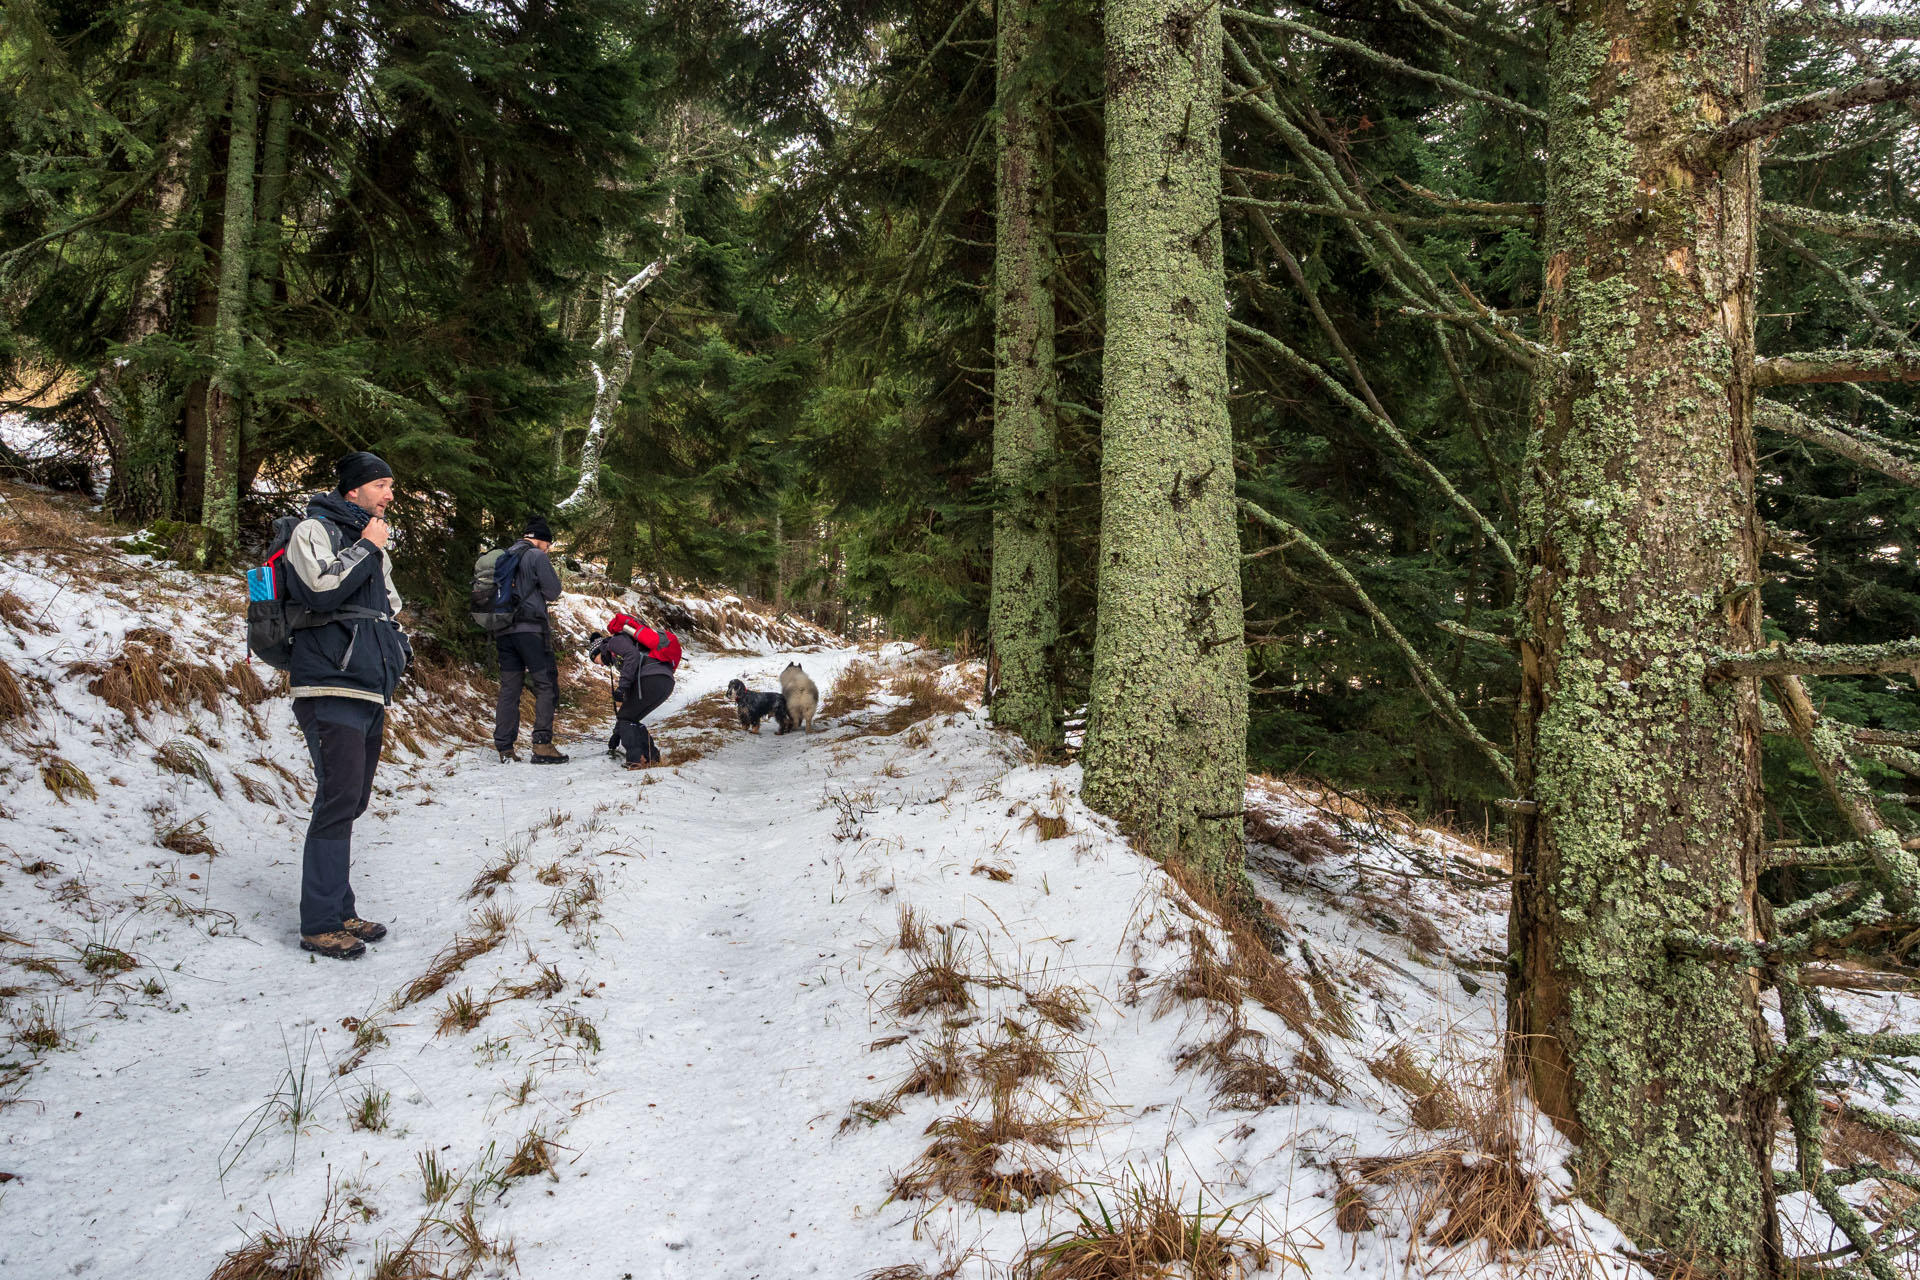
x: 440, y: 200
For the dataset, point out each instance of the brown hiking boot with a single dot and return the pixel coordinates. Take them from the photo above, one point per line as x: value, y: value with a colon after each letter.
x: 365, y: 930
x: 547, y: 753
x: 335, y: 946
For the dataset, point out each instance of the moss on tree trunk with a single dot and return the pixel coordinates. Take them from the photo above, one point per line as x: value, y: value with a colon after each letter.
x: 220, y: 500
x: 1024, y: 614
x: 1642, y: 538
x: 1166, y: 735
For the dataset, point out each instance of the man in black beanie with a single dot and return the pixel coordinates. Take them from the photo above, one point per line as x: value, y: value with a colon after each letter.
x: 525, y: 648
x: 348, y: 654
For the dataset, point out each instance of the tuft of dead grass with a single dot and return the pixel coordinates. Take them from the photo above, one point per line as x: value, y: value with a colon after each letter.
x: 999, y: 1163
x: 245, y: 684
x: 147, y: 674
x: 1064, y: 1006
x: 65, y: 778
x: 533, y: 1156
x: 936, y: 981
x: 1305, y: 842
x: 492, y: 925
x: 925, y: 697
x: 1433, y: 1102
x: 1149, y: 1232
x: 14, y: 707
x: 912, y: 935
x: 852, y: 690
x: 492, y: 877
x: 275, y: 1253
x: 181, y: 756
x: 1048, y: 826
x: 1479, y: 1186
x: 997, y: 872
x: 1244, y: 1077
x: 188, y: 837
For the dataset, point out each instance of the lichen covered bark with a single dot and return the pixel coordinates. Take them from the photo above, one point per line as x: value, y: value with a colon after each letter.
x: 220, y: 499
x: 1024, y: 614
x: 1641, y: 569
x: 1166, y: 735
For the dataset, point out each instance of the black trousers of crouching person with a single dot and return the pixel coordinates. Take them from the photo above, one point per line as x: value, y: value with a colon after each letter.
x: 650, y: 692
x: 343, y: 737
x: 524, y: 657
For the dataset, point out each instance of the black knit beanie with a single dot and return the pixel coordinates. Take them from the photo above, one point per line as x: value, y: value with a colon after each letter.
x: 538, y: 528
x: 356, y: 469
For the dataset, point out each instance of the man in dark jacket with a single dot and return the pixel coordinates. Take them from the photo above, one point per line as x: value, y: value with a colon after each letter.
x: 348, y: 654
x: 526, y: 649
x: 643, y: 682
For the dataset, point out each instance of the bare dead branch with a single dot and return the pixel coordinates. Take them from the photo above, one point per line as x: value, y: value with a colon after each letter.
x: 1798, y: 368
x: 1791, y: 422
x: 1775, y: 116
x: 1844, y: 226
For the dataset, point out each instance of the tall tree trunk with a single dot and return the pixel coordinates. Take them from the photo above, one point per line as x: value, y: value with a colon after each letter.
x: 220, y: 504
x: 1166, y: 737
x: 1642, y: 563
x: 1024, y: 614
x: 137, y: 405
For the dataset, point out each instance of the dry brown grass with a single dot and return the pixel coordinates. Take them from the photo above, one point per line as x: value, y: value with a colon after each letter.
x: 998, y: 872
x: 463, y: 1013
x: 1244, y: 1077
x: 178, y: 755
x: 492, y: 925
x: 997, y: 1164
x: 285, y: 774
x: 1064, y: 1006
x: 912, y: 934
x: 1146, y: 1233
x: 17, y: 613
x: 275, y: 1253
x: 1432, y: 1102
x: 852, y: 690
x: 65, y: 778
x: 714, y: 711
x: 245, y: 683
x: 1250, y: 965
x: 147, y: 674
x: 533, y: 1156
x: 1305, y: 842
x: 936, y: 982
x: 188, y: 837
x: 1479, y: 1186
x: 925, y: 698
x: 546, y: 986
x: 14, y: 707
x: 492, y: 877
x: 1048, y: 826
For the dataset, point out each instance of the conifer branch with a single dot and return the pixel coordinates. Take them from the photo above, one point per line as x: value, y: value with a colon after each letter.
x: 1776, y: 116
x: 1462, y: 222
x: 1810, y: 21
x: 1783, y: 659
x: 1843, y: 226
x: 1460, y: 502
x: 1847, y: 285
x: 1358, y: 50
x: 1788, y: 421
x: 1429, y: 684
x: 1797, y: 368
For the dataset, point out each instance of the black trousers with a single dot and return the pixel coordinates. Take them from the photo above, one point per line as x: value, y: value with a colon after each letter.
x: 343, y: 738
x: 525, y: 657
x: 628, y: 732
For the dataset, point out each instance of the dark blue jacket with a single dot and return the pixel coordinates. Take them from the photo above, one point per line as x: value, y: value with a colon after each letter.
x: 360, y: 651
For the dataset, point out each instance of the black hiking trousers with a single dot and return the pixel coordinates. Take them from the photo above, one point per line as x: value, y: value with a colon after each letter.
x: 628, y: 732
x: 343, y: 738
x: 525, y: 656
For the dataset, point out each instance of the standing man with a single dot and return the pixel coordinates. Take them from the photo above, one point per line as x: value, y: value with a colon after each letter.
x: 348, y: 654
x: 526, y: 648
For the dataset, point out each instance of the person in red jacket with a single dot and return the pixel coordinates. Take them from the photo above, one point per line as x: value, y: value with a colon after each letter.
x: 641, y: 683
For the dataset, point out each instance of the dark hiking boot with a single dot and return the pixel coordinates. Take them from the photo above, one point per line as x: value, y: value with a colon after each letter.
x: 365, y: 930
x: 335, y: 946
x: 547, y: 753
x: 507, y: 757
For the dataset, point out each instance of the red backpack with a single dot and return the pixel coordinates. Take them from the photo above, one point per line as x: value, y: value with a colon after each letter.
x: 661, y: 646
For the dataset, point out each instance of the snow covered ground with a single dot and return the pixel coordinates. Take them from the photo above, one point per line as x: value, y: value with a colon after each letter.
x: 883, y: 999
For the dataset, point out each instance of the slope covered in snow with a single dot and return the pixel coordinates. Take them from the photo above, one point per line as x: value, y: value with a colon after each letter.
x: 883, y: 999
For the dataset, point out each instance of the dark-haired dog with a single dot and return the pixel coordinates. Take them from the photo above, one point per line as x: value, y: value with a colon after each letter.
x: 756, y: 706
